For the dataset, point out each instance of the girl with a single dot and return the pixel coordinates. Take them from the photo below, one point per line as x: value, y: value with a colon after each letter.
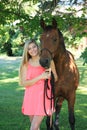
x: 32, y: 76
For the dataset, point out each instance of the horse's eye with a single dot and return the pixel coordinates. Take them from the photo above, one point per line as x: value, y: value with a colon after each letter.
x: 55, y: 39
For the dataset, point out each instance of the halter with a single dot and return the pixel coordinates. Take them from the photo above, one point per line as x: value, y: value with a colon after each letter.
x: 51, y: 53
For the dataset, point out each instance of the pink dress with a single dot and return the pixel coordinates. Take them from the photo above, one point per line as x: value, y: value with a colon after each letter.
x: 33, y: 102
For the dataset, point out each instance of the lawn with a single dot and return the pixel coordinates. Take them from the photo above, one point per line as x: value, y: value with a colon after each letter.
x: 11, y: 96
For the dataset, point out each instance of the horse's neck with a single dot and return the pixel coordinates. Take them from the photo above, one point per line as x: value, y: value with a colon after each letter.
x: 60, y: 53
x: 59, y: 61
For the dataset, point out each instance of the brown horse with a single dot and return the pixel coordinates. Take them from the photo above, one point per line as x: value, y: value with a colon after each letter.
x: 53, y: 47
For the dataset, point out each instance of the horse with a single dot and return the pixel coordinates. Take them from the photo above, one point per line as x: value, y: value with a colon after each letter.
x: 53, y: 48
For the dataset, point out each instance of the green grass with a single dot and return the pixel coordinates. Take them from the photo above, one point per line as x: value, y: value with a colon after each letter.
x: 11, y: 97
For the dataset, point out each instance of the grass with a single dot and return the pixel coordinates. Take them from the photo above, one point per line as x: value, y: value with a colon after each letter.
x: 11, y: 97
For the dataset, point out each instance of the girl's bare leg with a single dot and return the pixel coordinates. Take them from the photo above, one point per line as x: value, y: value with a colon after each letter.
x: 35, y: 124
x: 31, y: 118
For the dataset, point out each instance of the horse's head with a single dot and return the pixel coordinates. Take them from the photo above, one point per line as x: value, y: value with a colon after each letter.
x: 50, y: 41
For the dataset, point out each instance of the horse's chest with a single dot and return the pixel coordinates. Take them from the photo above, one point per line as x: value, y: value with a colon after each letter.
x: 62, y: 87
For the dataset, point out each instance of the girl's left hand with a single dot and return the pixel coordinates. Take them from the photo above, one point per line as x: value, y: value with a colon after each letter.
x: 48, y: 71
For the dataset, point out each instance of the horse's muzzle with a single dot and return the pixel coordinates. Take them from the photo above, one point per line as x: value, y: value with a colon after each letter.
x: 45, y: 62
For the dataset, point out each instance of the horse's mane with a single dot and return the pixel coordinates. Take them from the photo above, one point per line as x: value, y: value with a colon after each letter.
x: 61, y: 39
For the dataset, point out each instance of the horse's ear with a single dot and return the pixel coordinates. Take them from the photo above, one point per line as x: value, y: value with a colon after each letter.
x: 54, y: 23
x: 42, y: 23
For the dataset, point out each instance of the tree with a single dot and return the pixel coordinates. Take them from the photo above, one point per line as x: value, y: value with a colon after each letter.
x: 29, y: 12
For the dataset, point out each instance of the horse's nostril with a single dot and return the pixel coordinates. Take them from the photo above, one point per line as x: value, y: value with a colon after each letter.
x: 46, y: 60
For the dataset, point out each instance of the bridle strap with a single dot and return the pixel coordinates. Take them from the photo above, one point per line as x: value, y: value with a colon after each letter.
x: 51, y: 53
x: 46, y: 87
x: 45, y: 49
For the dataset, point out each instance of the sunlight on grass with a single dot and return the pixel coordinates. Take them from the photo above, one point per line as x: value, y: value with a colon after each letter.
x: 21, y: 88
x: 11, y: 80
x: 78, y: 111
x: 82, y: 90
x: 5, y: 57
x: 85, y: 116
x: 85, y: 105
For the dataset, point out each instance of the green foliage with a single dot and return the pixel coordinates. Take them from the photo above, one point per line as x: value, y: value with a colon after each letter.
x: 11, y: 40
x: 7, y: 48
x: 21, y: 20
x: 4, y: 31
x: 84, y: 56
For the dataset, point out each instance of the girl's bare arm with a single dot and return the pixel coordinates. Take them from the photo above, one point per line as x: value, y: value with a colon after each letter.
x: 54, y: 70
x: 31, y: 82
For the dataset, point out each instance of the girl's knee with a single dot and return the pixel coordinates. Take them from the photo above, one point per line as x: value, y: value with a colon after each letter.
x: 34, y: 127
x: 35, y: 124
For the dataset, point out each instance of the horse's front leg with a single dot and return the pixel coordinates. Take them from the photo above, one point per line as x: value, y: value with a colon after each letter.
x: 48, y: 123
x: 71, y: 103
x: 58, y: 108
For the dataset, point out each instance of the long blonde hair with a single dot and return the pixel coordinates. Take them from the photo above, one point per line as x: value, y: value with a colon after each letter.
x: 25, y: 57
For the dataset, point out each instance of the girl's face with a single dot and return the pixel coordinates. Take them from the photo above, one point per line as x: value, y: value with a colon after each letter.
x: 33, y: 49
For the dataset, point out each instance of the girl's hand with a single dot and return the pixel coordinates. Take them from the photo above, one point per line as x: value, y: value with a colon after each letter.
x: 46, y: 74
x: 48, y: 70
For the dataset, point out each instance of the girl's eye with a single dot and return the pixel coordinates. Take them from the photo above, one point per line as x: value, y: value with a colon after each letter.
x: 55, y: 39
x: 31, y: 48
x: 34, y: 46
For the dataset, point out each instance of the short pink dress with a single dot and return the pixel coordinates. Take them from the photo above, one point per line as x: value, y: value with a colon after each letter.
x: 33, y: 102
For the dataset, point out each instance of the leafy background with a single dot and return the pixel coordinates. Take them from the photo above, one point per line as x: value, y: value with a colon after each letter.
x: 21, y: 20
